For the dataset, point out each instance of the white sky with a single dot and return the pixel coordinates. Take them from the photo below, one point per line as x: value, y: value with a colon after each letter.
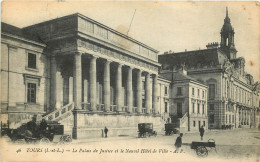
x: 164, y: 26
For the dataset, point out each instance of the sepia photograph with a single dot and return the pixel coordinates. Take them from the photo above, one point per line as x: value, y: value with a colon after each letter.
x: 124, y: 81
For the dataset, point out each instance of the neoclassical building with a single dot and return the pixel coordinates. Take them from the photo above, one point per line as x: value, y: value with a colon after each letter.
x: 75, y: 64
x: 233, y: 97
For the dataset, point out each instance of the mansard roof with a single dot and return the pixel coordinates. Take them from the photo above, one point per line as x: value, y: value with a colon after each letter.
x: 176, y: 76
x: 193, y: 58
x: 13, y: 30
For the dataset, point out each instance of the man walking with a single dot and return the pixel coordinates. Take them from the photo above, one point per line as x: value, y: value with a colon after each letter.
x: 178, y: 142
x: 201, y: 132
x: 106, y: 130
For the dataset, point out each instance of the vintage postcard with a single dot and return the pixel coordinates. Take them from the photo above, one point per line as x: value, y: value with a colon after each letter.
x: 130, y: 81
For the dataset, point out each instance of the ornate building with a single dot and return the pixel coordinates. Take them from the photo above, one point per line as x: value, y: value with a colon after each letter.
x: 233, y: 96
x: 75, y: 63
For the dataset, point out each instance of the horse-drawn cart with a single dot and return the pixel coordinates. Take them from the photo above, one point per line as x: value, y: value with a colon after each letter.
x: 52, y: 132
x: 146, y: 130
x: 170, y: 129
x: 201, y: 147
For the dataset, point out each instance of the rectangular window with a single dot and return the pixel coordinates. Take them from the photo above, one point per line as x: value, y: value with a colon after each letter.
x: 179, y: 92
x: 194, y: 123
x: 226, y: 118
x: 165, y: 106
x: 211, y: 106
x: 211, y: 91
x: 199, y: 124
x: 198, y: 92
x: 204, y: 123
x: 31, y: 93
x: 198, y: 108
x: 233, y: 119
x: 179, y: 110
x: 31, y: 61
x: 203, y: 94
x: 211, y: 118
x: 193, y: 107
x: 229, y: 119
x: 203, y: 109
x: 165, y: 90
x: 193, y: 91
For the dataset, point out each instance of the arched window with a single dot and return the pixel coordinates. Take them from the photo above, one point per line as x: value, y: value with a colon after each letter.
x: 227, y: 42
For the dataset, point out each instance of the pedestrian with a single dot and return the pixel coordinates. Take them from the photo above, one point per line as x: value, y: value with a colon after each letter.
x: 106, y: 130
x: 43, y: 126
x: 178, y: 142
x: 201, y: 132
x: 31, y: 127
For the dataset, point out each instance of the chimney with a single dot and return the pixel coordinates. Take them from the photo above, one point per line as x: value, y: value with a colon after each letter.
x: 212, y: 45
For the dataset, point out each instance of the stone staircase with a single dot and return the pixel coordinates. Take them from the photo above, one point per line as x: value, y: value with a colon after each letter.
x: 59, y: 114
x: 181, y: 123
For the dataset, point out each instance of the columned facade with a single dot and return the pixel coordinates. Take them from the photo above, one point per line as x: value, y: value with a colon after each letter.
x: 108, y: 78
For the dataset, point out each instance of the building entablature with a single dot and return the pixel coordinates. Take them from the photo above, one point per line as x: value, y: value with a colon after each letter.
x: 78, y: 26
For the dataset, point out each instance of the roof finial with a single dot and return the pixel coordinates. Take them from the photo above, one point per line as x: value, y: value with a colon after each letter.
x: 226, y: 11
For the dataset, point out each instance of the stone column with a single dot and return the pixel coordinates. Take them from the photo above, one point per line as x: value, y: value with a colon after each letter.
x: 66, y: 90
x: 77, y: 81
x: 92, y: 82
x: 129, y: 90
x: 147, y: 93
x: 70, y: 89
x: 107, y: 85
x: 139, y: 91
x: 119, y: 87
x: 85, y: 89
x: 59, y: 90
x: 53, y: 83
x: 155, y: 91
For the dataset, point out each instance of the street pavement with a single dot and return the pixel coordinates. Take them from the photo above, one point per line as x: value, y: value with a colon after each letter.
x: 231, y: 145
x: 237, y: 144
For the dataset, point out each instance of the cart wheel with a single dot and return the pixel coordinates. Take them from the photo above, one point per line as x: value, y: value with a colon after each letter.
x: 66, y: 139
x: 44, y: 140
x: 202, y: 151
x: 14, y: 138
x: 27, y: 140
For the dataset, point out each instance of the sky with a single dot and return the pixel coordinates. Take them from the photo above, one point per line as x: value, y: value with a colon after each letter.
x: 162, y: 25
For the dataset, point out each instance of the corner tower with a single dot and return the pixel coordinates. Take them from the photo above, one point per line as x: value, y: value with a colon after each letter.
x: 227, y: 38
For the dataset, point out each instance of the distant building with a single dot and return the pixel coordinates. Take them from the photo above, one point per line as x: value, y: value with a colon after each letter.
x: 188, y: 101
x: 164, y: 93
x: 233, y: 96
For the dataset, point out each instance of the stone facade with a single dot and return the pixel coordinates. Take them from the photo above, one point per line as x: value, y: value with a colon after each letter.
x: 106, y: 78
x: 164, y: 101
x: 188, y: 101
x: 17, y: 75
